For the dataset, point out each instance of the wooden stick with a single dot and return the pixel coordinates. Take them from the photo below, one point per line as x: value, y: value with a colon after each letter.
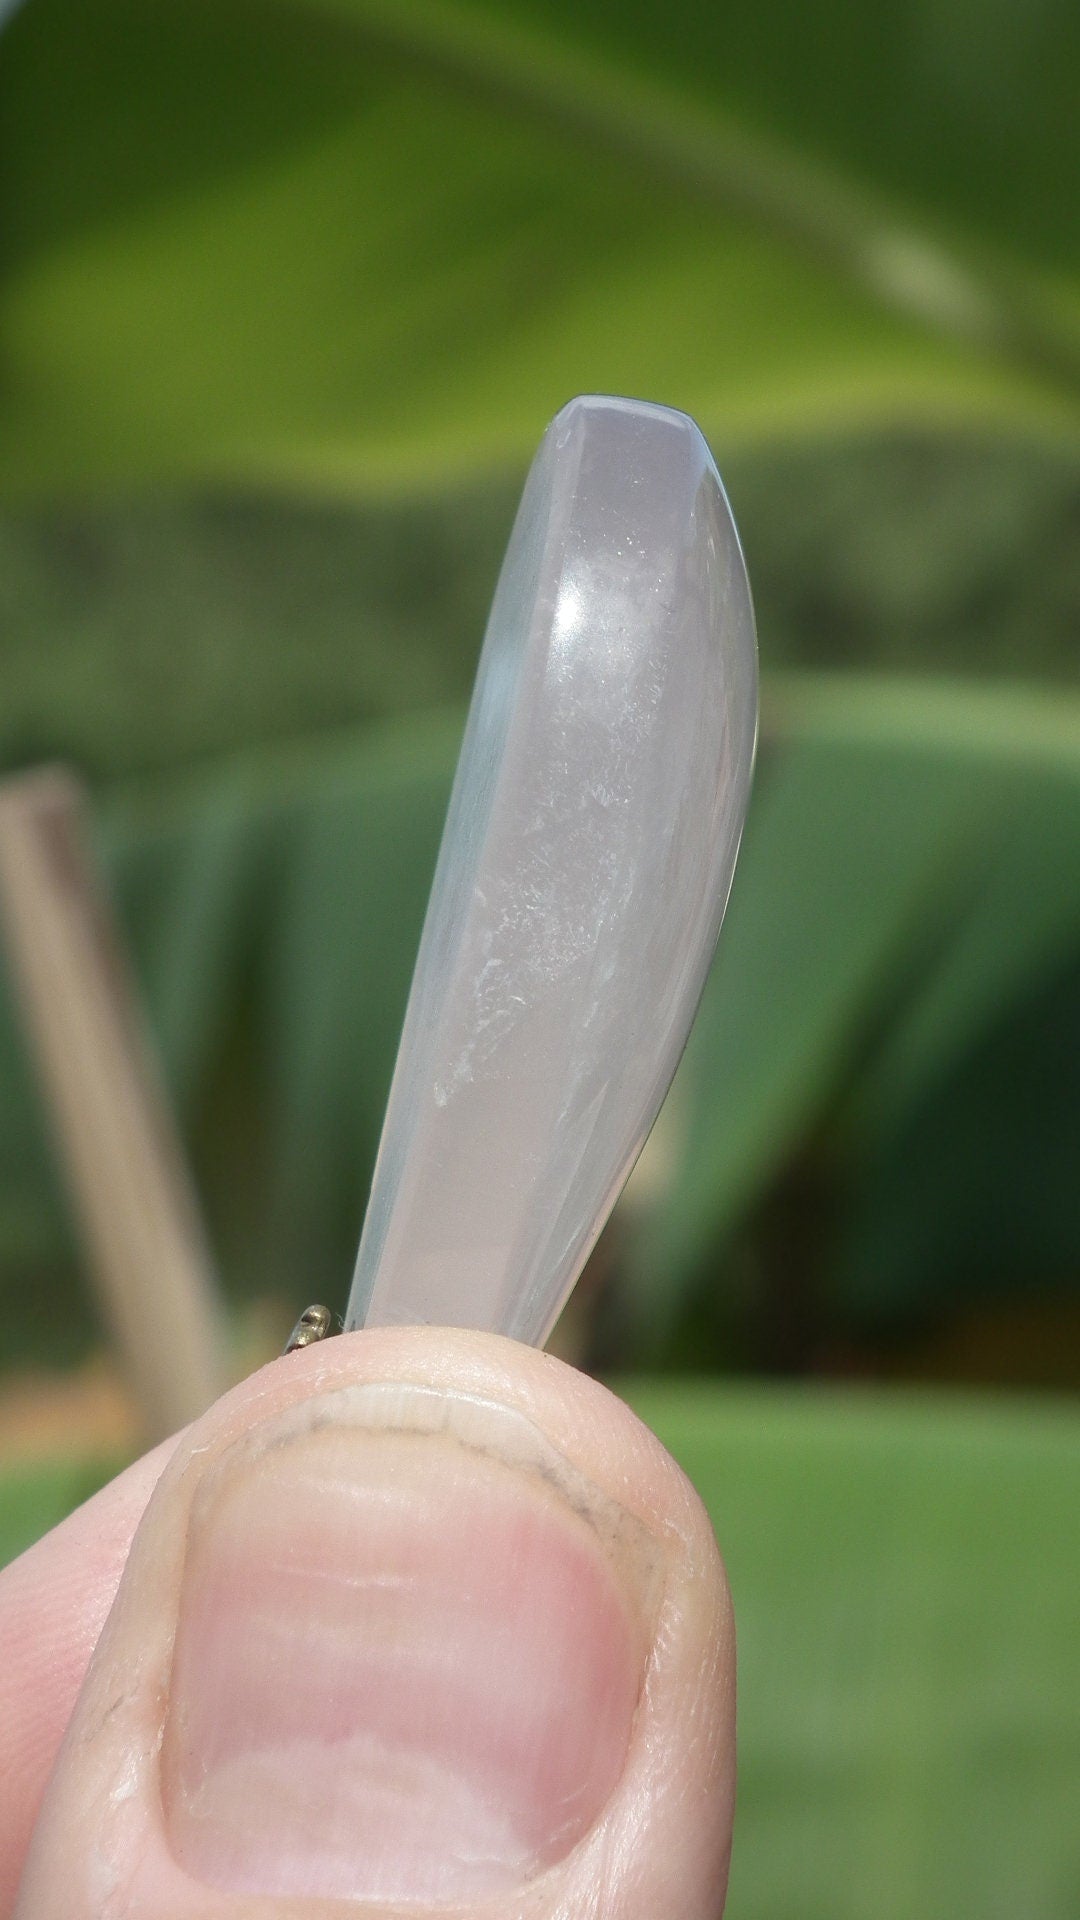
x: 132, y: 1194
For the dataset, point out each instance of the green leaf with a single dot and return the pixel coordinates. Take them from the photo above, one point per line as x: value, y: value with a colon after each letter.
x: 280, y: 912
x: 376, y: 246
x: 904, y: 1592
x: 905, y: 883
x: 904, y: 918
x: 830, y: 93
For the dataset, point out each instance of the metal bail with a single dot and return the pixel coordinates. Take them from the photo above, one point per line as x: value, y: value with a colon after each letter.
x: 314, y: 1324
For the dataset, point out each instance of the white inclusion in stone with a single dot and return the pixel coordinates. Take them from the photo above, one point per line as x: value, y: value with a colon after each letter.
x: 585, y: 866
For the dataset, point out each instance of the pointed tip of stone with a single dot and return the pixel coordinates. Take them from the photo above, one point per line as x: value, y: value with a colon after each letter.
x: 591, y: 413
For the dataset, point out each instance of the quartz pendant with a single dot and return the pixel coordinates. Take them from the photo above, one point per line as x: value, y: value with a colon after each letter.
x: 584, y: 870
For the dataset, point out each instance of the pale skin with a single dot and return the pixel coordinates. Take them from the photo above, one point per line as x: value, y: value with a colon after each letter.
x: 413, y: 1621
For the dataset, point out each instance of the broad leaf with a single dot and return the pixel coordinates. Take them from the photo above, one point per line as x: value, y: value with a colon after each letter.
x: 378, y: 245
x: 904, y: 916
x: 904, y: 892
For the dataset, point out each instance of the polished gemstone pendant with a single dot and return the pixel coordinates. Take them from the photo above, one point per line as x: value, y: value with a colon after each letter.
x: 584, y: 870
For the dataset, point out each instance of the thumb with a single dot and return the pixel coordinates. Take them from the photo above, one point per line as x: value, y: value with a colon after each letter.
x: 414, y: 1619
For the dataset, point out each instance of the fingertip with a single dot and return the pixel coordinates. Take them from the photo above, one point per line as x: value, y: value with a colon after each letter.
x: 54, y: 1600
x: 413, y: 1615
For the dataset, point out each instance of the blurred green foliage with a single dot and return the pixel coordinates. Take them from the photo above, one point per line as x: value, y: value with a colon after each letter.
x: 895, y: 995
x: 140, y: 635
x: 290, y: 288
x: 374, y: 243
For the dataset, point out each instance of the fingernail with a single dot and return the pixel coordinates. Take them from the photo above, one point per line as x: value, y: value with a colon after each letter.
x: 410, y: 1645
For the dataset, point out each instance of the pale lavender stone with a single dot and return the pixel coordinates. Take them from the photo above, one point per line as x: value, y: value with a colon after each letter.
x: 583, y: 875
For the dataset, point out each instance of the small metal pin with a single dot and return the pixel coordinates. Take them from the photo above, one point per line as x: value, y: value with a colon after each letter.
x: 314, y: 1324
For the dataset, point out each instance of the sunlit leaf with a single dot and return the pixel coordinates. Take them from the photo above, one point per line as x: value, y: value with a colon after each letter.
x: 378, y: 245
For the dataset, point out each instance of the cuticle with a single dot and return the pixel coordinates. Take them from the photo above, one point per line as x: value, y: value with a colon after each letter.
x: 616, y: 1529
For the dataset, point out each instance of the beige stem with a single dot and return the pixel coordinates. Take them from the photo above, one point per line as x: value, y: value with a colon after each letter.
x: 133, y: 1197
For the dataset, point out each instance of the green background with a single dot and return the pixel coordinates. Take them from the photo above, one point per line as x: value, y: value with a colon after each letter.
x: 290, y: 289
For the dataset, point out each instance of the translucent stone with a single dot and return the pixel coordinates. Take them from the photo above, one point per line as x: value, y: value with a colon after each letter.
x: 584, y: 870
